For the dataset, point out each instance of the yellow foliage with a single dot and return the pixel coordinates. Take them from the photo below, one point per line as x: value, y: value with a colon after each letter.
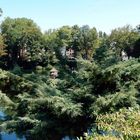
x: 2, y: 46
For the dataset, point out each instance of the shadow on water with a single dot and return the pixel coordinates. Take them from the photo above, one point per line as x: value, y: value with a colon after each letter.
x: 61, y: 131
x: 46, y: 134
x: 55, y: 131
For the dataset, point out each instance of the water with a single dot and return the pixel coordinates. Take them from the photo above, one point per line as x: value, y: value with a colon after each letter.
x: 2, y: 115
x: 69, y: 138
x: 10, y: 136
x: 71, y: 132
x: 15, y: 136
x: 6, y: 135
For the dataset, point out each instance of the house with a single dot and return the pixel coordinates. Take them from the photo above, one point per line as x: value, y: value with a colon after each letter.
x: 124, y: 56
x: 70, y: 53
x: 22, y: 52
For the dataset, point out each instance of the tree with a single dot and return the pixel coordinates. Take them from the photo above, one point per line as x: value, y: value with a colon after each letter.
x: 64, y: 36
x: 88, y: 42
x: 135, y: 50
x: 2, y: 52
x: 105, y: 55
x: 50, y: 37
x: 23, y: 39
x: 121, y: 125
x: 116, y: 86
x: 123, y: 39
x: 1, y: 12
x: 76, y: 40
x: 2, y: 46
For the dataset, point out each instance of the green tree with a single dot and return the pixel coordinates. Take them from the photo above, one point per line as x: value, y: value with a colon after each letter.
x: 2, y: 46
x: 105, y: 55
x: 50, y: 37
x: 64, y: 36
x: 134, y: 51
x: 88, y: 42
x: 76, y: 40
x: 22, y: 37
x: 123, y: 39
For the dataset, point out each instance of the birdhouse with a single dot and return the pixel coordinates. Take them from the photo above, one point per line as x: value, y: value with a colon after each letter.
x: 53, y: 73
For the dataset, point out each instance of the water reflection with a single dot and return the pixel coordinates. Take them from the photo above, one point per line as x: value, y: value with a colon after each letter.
x: 15, y: 136
x: 2, y: 115
x: 69, y: 138
x: 57, y: 134
x: 10, y: 136
x: 56, y: 131
x: 6, y: 135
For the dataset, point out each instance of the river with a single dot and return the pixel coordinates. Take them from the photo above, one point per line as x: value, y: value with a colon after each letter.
x: 69, y: 133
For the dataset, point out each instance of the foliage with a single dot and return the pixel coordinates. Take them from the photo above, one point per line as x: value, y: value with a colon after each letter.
x: 2, y: 46
x: 23, y: 39
x: 116, y: 86
x: 124, y: 39
x: 121, y: 125
x: 5, y: 101
x: 96, y: 83
x: 88, y: 41
x: 125, y: 123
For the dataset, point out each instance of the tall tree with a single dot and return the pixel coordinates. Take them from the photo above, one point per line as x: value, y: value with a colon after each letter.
x: 76, y: 40
x: 64, y: 36
x: 22, y: 37
x: 88, y: 42
x: 123, y: 39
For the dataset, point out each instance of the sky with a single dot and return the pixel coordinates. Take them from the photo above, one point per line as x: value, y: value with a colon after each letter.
x: 105, y: 15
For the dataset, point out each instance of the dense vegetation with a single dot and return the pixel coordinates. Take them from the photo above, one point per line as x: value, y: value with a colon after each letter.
x: 124, y: 124
x: 98, y: 75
